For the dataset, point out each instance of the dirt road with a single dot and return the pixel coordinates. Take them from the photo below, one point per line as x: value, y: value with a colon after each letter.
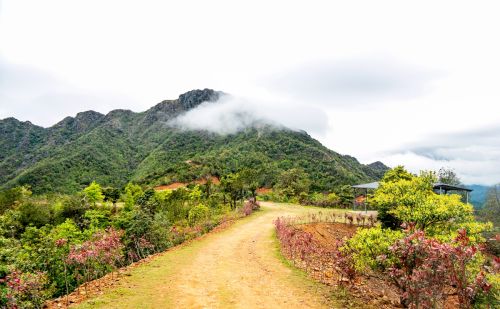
x: 237, y: 268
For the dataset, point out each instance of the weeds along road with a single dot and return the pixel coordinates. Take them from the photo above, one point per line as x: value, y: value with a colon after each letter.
x: 239, y: 267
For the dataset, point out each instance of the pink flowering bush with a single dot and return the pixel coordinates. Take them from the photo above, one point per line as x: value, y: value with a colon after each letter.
x: 95, y: 257
x: 27, y: 290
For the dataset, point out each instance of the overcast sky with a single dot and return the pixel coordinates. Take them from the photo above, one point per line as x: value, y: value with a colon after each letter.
x: 405, y: 83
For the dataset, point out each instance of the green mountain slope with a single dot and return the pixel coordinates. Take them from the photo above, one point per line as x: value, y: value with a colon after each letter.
x: 124, y: 146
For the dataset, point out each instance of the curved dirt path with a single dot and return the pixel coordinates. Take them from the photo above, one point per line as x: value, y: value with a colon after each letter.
x: 239, y: 267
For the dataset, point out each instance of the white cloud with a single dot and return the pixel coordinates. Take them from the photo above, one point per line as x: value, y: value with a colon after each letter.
x: 363, y: 77
x: 231, y: 114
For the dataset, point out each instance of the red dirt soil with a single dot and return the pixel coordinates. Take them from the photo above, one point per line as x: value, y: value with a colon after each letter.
x: 172, y: 186
x: 177, y: 185
x: 263, y: 190
x: 366, y: 289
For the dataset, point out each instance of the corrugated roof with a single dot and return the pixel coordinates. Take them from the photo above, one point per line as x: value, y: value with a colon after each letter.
x: 437, y: 185
x: 447, y: 187
x: 371, y: 185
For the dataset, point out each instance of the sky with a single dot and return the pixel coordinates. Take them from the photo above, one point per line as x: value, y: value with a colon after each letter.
x: 411, y: 83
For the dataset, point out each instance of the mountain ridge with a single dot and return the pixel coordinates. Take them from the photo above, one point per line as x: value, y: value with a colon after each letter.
x: 124, y: 146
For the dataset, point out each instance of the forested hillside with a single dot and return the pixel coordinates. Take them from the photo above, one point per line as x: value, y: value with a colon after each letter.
x: 124, y: 146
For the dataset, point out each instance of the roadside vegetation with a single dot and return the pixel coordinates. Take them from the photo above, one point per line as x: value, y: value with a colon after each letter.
x: 426, y: 250
x: 51, y: 245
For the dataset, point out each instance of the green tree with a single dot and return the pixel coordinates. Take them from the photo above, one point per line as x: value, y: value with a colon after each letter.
x: 93, y: 193
x: 413, y: 201
x: 112, y: 195
x: 131, y: 195
x: 34, y: 214
x: 293, y: 182
x: 11, y: 197
x: 448, y: 176
x: 491, y: 213
x: 396, y: 174
x: 345, y: 195
x: 232, y: 184
x: 250, y: 179
x: 198, y: 213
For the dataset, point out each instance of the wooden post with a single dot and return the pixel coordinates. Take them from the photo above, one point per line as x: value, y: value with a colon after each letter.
x: 366, y: 199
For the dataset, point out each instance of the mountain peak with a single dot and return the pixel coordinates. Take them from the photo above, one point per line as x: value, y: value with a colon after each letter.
x: 195, y: 97
x: 169, y: 109
x: 88, y: 116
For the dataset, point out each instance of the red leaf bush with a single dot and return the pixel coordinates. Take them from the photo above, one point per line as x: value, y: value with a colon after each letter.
x: 94, y: 257
x: 27, y: 290
x: 427, y: 267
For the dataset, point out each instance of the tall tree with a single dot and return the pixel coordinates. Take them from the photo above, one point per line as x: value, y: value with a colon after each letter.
x: 93, y: 193
x: 448, y: 176
x: 232, y: 184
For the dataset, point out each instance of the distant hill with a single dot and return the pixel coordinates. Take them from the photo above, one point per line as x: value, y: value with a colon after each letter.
x: 124, y: 146
x: 479, y: 195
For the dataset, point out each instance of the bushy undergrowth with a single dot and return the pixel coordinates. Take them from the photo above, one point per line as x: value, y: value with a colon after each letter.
x: 298, y: 245
x: 425, y: 268
x: 429, y: 246
x: 50, y: 245
x: 370, y: 248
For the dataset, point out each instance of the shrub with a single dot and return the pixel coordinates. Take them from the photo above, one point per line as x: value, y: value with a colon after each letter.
x: 34, y: 214
x: 27, y: 290
x: 370, y: 248
x: 249, y: 206
x: 95, y: 257
x: 411, y: 199
x: 198, y: 213
x: 426, y: 267
x: 345, y: 263
x: 296, y: 243
x: 491, y: 299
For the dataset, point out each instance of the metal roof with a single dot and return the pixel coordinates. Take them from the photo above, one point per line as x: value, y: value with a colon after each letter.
x: 438, y: 185
x: 371, y: 185
x: 447, y: 187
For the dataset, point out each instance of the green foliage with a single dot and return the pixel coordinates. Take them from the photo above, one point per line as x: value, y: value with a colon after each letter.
x: 11, y: 197
x: 491, y: 299
x: 34, y: 214
x: 412, y: 200
x: 232, y: 185
x: 293, y: 182
x: 368, y: 245
x: 93, y: 193
x: 131, y: 195
x: 396, y: 174
x: 73, y: 207
x: 491, y: 213
x: 137, y: 147
x: 448, y: 176
x: 195, y: 194
x: 111, y: 194
x: 346, y: 195
x: 198, y: 213
x: 98, y: 218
